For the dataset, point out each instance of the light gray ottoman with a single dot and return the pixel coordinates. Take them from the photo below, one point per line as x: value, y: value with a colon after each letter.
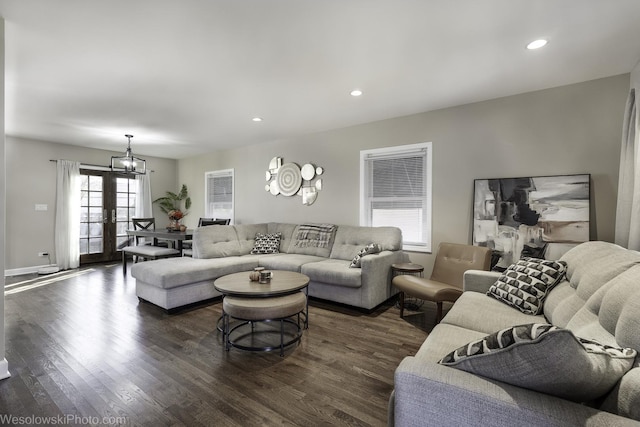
x: 251, y: 310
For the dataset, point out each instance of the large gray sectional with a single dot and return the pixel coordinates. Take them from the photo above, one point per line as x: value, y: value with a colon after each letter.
x: 219, y: 250
x: 598, y: 300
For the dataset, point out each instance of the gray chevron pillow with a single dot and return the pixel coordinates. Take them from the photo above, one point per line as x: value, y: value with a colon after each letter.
x: 547, y: 359
x: 525, y: 284
x: 267, y: 243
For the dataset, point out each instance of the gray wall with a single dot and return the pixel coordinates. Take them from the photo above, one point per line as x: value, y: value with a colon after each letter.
x: 570, y: 129
x: 566, y: 130
x: 31, y: 180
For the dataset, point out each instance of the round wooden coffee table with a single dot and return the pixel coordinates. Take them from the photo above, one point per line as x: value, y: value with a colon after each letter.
x: 253, y: 302
x: 282, y: 283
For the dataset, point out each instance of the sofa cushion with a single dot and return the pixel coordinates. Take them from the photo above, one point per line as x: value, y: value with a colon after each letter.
x: 610, y: 315
x: 371, y: 248
x: 590, y: 266
x: 175, y: 272
x: 624, y: 399
x: 525, y: 284
x: 470, y: 312
x: 313, y: 239
x: 246, y: 234
x: 289, y: 262
x: 286, y: 231
x: 216, y: 241
x: 267, y: 243
x: 445, y: 338
x: 350, y: 239
x: 333, y: 272
x: 547, y: 359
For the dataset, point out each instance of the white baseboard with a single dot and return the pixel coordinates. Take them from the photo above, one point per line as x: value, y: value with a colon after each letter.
x: 25, y: 270
x: 4, y: 369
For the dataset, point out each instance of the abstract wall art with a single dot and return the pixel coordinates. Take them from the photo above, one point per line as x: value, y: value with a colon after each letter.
x: 520, y: 216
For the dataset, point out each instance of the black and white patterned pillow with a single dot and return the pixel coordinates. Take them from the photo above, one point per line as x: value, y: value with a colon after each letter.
x: 525, y: 284
x: 547, y: 359
x: 267, y: 243
x: 371, y: 248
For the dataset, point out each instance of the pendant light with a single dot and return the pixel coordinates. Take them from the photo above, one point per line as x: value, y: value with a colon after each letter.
x: 128, y: 163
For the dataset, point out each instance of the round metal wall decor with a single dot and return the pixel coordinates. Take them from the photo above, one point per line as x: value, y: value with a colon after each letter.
x: 308, y: 172
x: 289, y: 179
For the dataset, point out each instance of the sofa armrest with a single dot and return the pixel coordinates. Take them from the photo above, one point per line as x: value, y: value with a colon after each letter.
x: 376, y: 274
x: 427, y: 393
x: 479, y: 280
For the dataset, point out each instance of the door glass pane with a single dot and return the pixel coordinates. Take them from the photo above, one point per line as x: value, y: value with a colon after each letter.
x: 95, y: 246
x: 95, y: 183
x: 91, y: 214
x: 125, y: 207
x: 84, y: 229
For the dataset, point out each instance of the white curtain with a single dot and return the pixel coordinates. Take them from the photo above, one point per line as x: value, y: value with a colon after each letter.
x: 67, y: 231
x: 143, y: 207
x: 628, y: 207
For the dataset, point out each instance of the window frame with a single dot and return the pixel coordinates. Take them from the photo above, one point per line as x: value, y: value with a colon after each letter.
x: 400, y: 151
x: 219, y: 173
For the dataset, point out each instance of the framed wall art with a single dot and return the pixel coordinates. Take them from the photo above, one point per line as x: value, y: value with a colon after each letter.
x: 518, y: 217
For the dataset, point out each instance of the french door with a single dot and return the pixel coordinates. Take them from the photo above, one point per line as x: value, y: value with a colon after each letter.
x: 107, y: 204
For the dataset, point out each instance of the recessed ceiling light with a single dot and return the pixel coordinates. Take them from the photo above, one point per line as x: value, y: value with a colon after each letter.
x: 257, y: 119
x: 536, y: 44
x: 356, y: 92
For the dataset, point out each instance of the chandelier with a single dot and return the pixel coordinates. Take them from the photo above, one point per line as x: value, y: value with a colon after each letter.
x: 128, y: 163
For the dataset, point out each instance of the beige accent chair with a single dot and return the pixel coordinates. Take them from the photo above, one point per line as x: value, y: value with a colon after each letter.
x: 445, y: 283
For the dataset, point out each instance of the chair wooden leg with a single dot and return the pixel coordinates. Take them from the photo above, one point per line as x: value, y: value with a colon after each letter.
x: 439, y: 312
x: 124, y: 262
x: 401, y: 303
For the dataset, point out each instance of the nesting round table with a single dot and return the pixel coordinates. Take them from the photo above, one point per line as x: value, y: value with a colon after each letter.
x: 247, y: 304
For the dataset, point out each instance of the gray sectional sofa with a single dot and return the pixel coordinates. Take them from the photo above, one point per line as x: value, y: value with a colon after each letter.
x: 598, y: 299
x: 224, y: 249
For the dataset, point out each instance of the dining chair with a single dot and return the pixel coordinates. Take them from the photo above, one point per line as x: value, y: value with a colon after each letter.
x: 145, y: 250
x: 213, y: 221
x: 187, y: 245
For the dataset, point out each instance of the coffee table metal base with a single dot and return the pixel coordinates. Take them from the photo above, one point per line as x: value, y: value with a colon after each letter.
x: 247, y: 334
x: 250, y: 312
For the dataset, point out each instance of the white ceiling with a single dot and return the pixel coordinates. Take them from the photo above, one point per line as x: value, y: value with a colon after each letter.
x: 186, y: 77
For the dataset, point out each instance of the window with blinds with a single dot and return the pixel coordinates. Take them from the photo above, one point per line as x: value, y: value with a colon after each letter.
x: 219, y: 202
x: 395, y: 190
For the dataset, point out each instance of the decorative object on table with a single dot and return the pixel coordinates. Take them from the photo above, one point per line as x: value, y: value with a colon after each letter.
x: 254, y: 276
x: 524, y: 215
x: 289, y: 179
x: 172, y: 204
x: 128, y: 163
x: 265, y: 276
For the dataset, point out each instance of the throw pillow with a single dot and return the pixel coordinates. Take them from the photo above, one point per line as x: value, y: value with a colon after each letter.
x: 267, y: 243
x: 371, y: 248
x: 547, y: 359
x: 525, y: 284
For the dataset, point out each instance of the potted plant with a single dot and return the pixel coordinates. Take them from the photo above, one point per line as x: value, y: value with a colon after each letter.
x: 172, y: 205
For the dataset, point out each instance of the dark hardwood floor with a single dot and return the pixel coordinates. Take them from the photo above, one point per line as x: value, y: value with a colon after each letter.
x: 82, y: 349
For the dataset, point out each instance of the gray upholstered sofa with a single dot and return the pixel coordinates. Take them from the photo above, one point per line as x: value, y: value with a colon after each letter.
x: 599, y: 299
x: 219, y: 250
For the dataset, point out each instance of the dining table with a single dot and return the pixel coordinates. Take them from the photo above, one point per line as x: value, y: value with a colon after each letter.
x: 174, y: 236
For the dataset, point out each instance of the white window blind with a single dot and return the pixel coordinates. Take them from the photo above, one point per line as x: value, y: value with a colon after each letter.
x: 219, y: 201
x: 395, y: 190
